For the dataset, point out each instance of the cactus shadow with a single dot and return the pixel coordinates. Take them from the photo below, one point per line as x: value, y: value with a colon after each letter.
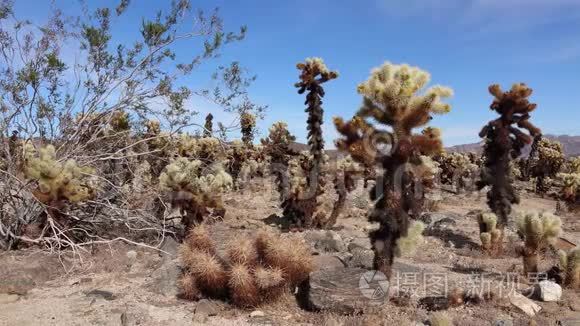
x: 458, y: 240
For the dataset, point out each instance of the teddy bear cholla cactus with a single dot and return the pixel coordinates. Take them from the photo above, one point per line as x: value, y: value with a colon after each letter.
x: 193, y: 189
x: 56, y: 182
x: 504, y: 142
x: 248, y: 124
x: 301, y: 205
x: 538, y: 230
x: 489, y: 234
x: 277, y: 148
x: 570, y: 265
x: 254, y: 271
x: 456, y: 169
x: 391, y: 97
x: 550, y: 158
x: 570, y: 181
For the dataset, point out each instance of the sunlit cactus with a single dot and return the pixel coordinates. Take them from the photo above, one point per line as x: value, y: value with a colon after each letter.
x: 570, y: 264
x: 440, y: 318
x: 194, y: 189
x: 393, y: 96
x: 56, y: 183
x: 252, y: 272
x: 550, y: 158
x: 570, y: 181
x: 248, y: 125
x: 408, y: 244
x: 187, y: 146
x: 538, y: 231
x: 504, y: 142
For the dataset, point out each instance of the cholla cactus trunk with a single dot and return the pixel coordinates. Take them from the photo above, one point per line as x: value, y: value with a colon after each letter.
x: 504, y: 142
x: 527, y: 170
x: 390, y: 98
x: 344, y: 183
x: 208, y: 127
x: 277, y: 147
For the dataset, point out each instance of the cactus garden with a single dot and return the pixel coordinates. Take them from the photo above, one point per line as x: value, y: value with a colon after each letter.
x: 169, y: 164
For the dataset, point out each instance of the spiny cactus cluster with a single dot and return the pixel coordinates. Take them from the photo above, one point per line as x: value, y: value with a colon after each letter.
x: 457, y: 169
x: 570, y: 181
x: 549, y: 161
x: 570, y: 264
x: 538, y: 230
x: 57, y: 181
x: 504, y: 142
x: 254, y: 271
x: 391, y: 97
x: 193, y: 189
x: 488, y: 232
x: 277, y: 147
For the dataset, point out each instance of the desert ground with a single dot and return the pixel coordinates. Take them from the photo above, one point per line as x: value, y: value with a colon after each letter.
x: 125, y: 284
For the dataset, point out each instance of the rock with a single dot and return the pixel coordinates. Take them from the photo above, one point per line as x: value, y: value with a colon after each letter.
x: 362, y: 258
x: 574, y: 303
x: 257, y: 314
x: 8, y: 298
x: 107, y: 295
x: 325, y: 241
x: 131, y: 257
x: 206, y: 308
x: 344, y: 291
x: 438, y: 219
x: 164, y: 278
x: 548, y: 291
x: 327, y: 262
x: 503, y: 323
x: 170, y: 246
x: 524, y: 304
x: 359, y: 243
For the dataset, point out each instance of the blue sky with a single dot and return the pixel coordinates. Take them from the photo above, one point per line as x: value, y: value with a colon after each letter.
x: 464, y: 44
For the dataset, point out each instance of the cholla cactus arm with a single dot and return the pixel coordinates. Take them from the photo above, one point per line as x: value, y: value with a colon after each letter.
x: 570, y: 264
x: 393, y: 96
x: 408, y: 244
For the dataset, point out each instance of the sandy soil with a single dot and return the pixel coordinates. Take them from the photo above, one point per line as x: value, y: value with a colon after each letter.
x: 123, y: 284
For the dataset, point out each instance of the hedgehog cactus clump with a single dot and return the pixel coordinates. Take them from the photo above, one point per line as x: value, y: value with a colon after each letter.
x: 504, y: 142
x: 248, y: 125
x: 392, y: 97
x: 550, y: 159
x: 570, y: 265
x: 538, y: 230
x: 56, y: 182
x: 194, y: 189
x: 252, y: 272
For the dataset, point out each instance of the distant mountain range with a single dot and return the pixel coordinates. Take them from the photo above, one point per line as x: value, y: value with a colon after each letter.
x: 571, y: 145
